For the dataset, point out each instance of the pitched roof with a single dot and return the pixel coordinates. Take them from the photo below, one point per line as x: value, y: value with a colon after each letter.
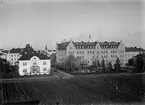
x: 28, y: 52
x: 5, y: 51
x: 109, y: 44
x: 28, y: 56
x: 133, y: 49
x: 15, y: 50
x: 89, y: 45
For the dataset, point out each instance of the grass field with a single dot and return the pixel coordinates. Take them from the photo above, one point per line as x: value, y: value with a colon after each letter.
x: 111, y: 90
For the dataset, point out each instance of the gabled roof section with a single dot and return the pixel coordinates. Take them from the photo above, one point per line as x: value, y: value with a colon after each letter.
x: 15, y: 50
x: 106, y: 44
x: 133, y: 49
x: 28, y: 52
x: 62, y: 46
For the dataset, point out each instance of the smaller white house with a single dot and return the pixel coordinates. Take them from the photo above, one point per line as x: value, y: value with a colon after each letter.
x: 33, y: 63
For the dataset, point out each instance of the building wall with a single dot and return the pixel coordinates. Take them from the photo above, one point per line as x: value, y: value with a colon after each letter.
x: 27, y: 64
x: 129, y: 55
x: 13, y: 58
x: 108, y: 54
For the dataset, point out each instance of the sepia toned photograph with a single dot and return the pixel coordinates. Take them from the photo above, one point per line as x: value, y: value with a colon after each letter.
x: 72, y: 52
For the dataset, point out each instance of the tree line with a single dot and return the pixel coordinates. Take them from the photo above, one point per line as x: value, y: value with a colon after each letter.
x: 73, y: 64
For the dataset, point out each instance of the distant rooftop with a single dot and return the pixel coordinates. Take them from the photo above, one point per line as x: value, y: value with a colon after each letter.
x: 133, y: 49
x: 15, y: 50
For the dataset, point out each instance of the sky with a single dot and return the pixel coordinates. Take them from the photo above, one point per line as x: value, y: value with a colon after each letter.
x: 46, y: 22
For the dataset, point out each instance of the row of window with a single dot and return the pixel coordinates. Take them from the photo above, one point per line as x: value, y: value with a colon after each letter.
x: 110, y: 46
x: 80, y: 57
x: 14, y: 59
x: 26, y: 70
x: 86, y: 47
x: 105, y: 56
x: 25, y: 63
x: 90, y: 52
x: 15, y: 55
x: 82, y: 52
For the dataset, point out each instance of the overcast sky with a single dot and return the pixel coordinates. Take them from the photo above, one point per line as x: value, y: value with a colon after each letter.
x: 41, y: 22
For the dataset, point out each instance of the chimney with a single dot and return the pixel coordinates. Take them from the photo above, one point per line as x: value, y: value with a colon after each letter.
x: 27, y: 45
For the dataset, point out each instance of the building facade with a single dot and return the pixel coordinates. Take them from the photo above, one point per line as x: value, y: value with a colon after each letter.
x: 33, y: 63
x: 130, y: 52
x: 13, y: 55
x: 90, y: 51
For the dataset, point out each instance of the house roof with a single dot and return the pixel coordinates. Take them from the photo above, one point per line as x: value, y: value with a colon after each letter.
x: 15, y: 50
x: 28, y: 52
x: 109, y: 44
x: 62, y: 46
x: 89, y: 45
x: 28, y: 56
x: 5, y: 51
x: 133, y: 49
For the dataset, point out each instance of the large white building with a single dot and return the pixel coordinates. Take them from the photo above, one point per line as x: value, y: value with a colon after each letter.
x: 90, y: 51
x: 33, y: 63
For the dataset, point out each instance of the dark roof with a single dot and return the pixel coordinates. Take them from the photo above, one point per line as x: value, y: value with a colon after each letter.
x: 133, y: 49
x: 84, y: 45
x: 15, y: 50
x: 62, y: 46
x: 5, y: 51
x: 89, y: 45
x: 109, y: 44
x: 28, y: 52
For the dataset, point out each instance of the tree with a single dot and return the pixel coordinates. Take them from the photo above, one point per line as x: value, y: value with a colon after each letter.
x: 117, y: 64
x: 71, y: 62
x: 94, y: 63
x: 98, y: 63
x: 139, y: 63
x: 103, y: 65
x: 110, y: 66
x: 53, y: 60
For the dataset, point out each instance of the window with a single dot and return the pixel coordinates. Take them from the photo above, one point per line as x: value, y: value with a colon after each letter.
x: 82, y: 52
x: 44, y: 69
x: 24, y: 63
x: 88, y: 52
x: 44, y: 63
x: 12, y: 59
x: 25, y: 71
x: 11, y: 55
